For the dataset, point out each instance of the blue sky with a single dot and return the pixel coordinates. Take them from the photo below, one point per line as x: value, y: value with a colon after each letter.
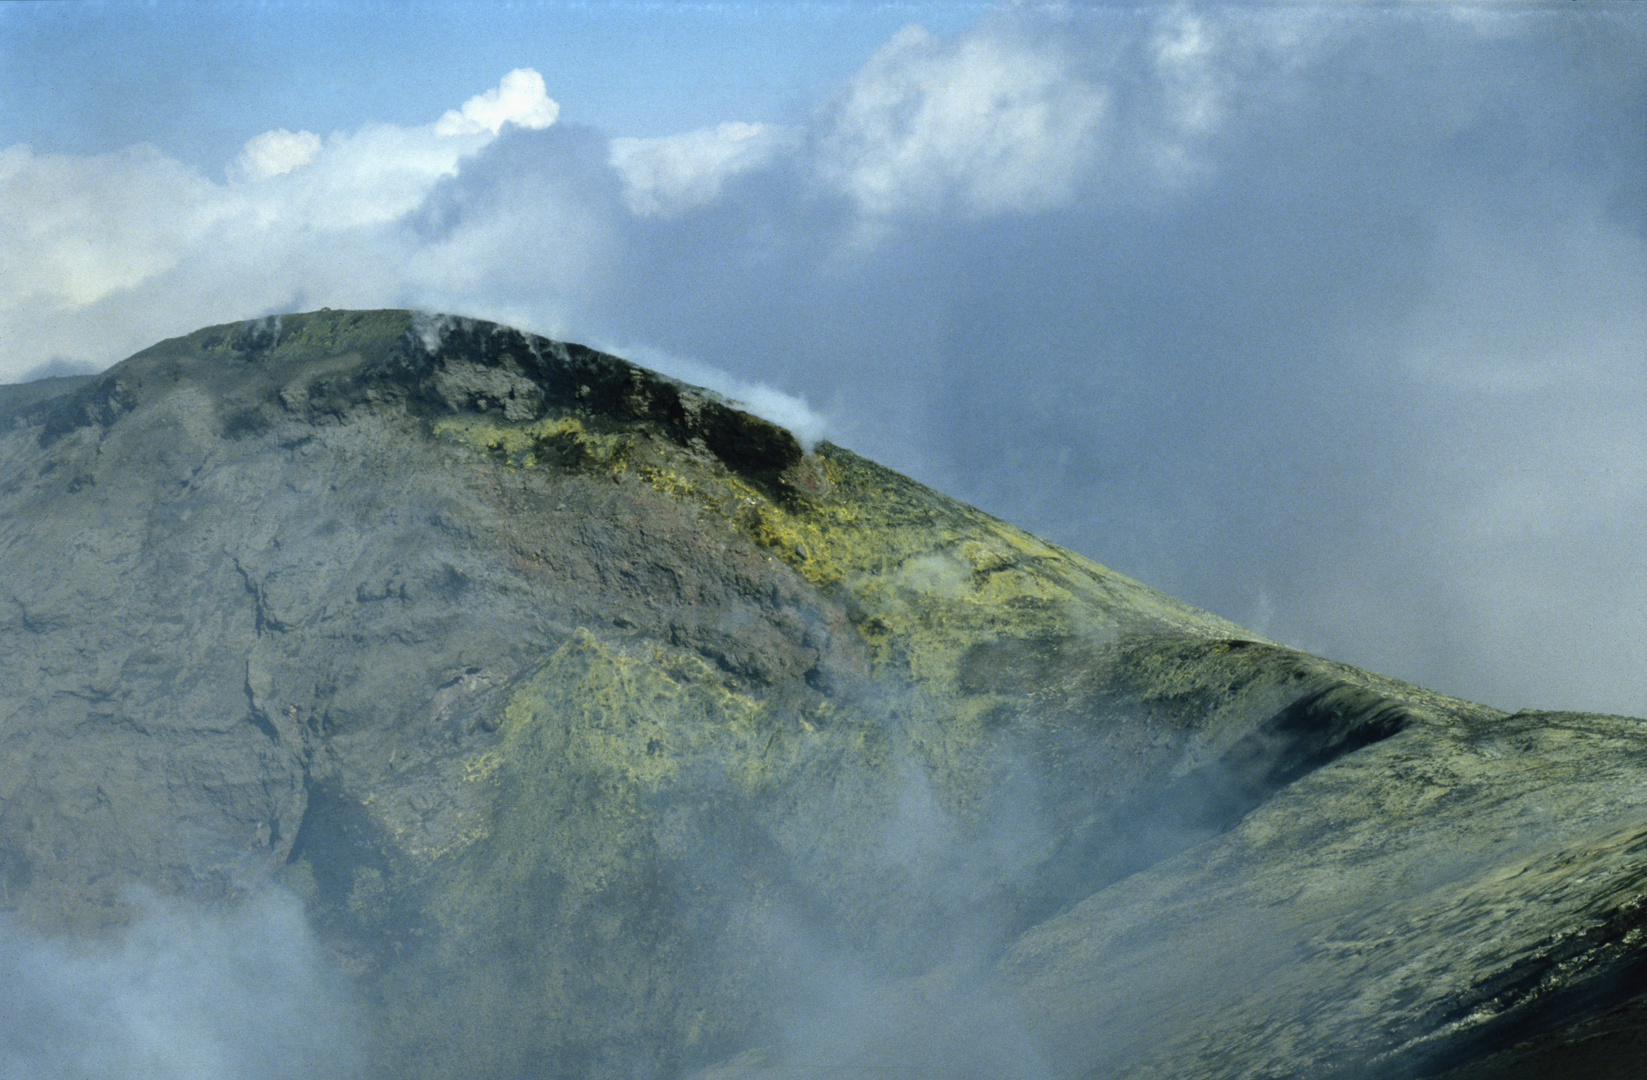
x: 198, y: 79
x: 1329, y: 318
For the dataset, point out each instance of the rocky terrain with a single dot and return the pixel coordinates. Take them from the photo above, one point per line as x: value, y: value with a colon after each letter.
x: 605, y: 730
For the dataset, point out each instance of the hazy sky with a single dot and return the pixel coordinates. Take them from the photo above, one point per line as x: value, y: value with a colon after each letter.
x: 1329, y: 318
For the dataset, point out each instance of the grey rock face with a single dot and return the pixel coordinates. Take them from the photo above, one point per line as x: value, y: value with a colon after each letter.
x: 603, y: 730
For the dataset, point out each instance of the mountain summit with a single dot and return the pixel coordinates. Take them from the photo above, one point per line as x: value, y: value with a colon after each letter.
x: 605, y: 729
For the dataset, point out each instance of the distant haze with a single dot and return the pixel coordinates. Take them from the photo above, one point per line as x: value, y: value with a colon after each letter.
x: 1332, y: 320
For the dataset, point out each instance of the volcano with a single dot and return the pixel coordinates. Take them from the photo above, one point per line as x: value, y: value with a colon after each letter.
x: 605, y: 729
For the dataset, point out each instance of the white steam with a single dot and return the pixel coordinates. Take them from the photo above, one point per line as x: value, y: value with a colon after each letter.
x: 788, y: 411
x: 431, y: 329
x: 183, y: 994
x: 919, y: 1004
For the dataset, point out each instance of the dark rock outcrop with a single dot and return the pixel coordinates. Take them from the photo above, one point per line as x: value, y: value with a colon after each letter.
x: 606, y: 730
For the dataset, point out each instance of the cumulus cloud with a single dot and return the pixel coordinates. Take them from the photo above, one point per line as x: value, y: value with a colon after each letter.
x: 674, y: 173
x: 77, y: 229
x: 1287, y: 310
x: 520, y: 98
x: 107, y: 252
x: 275, y: 153
x: 983, y: 125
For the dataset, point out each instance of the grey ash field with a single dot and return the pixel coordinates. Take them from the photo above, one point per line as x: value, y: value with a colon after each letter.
x: 602, y: 729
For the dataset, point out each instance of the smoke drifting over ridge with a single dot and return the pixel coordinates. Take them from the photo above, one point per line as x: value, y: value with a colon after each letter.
x: 1327, y: 320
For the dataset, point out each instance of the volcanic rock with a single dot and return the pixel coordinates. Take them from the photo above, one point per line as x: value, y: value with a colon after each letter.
x: 605, y: 729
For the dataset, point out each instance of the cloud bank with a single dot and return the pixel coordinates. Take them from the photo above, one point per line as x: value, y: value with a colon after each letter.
x: 1329, y: 320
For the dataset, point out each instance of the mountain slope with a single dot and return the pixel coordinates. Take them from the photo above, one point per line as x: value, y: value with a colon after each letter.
x: 604, y: 729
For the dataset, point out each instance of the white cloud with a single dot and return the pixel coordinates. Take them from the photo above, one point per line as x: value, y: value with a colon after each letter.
x: 1187, y: 64
x: 14, y: 159
x: 104, y: 254
x: 76, y: 229
x: 1032, y: 110
x: 520, y: 99
x: 985, y: 125
x: 275, y: 153
x: 381, y: 172
x: 371, y: 176
x: 672, y: 174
